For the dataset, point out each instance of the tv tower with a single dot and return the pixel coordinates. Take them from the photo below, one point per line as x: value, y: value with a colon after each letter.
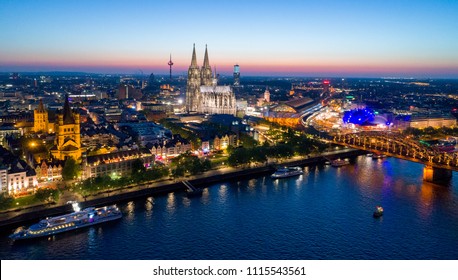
x: 170, y: 64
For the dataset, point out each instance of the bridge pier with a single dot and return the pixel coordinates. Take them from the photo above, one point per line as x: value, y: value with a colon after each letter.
x: 434, y: 174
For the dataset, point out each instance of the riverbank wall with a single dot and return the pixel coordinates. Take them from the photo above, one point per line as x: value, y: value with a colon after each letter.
x: 17, y: 218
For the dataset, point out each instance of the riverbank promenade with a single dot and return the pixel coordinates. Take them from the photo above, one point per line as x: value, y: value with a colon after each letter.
x: 17, y: 216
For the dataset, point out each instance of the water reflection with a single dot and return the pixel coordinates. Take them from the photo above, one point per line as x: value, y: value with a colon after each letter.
x: 171, y: 203
x: 149, y: 203
x: 91, y: 239
x: 130, y: 211
x: 222, y: 193
x: 205, y: 199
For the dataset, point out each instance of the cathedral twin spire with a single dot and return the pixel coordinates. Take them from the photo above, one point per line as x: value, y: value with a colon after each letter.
x: 194, y: 58
x: 204, y: 74
x: 206, y: 62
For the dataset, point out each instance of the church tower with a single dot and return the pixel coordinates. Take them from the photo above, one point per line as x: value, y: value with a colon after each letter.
x: 40, y: 119
x: 68, y: 137
x: 193, y: 84
x: 206, y: 72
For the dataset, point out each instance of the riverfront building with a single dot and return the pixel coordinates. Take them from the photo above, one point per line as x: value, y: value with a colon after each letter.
x: 16, y: 176
x: 115, y: 164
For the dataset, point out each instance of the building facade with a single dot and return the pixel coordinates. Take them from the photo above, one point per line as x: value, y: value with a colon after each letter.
x: 49, y: 171
x: 203, y: 95
x: 221, y: 142
x: 40, y: 119
x: 236, y: 75
x: 68, y: 137
x: 16, y: 176
x: 172, y: 148
x: 115, y: 164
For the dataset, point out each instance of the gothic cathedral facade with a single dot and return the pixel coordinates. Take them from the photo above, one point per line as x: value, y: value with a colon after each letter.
x: 203, y: 95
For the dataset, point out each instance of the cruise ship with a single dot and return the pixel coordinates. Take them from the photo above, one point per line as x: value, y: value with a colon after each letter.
x: 77, y: 219
x: 287, y: 172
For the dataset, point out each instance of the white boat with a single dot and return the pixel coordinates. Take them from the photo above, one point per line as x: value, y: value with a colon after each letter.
x: 286, y: 172
x: 378, y: 156
x: 77, y: 219
x: 339, y: 162
x: 378, y: 212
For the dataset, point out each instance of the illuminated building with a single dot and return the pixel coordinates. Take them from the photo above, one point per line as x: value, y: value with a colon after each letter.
x: 128, y: 92
x: 68, y: 138
x: 326, y: 85
x: 289, y: 113
x: 171, y: 148
x: 115, y: 164
x: 267, y: 95
x: 3, y: 179
x: 424, y: 122
x: 16, y: 176
x: 221, y: 142
x: 49, y: 170
x: 203, y: 95
x: 40, y: 119
x: 236, y: 75
x: 6, y: 129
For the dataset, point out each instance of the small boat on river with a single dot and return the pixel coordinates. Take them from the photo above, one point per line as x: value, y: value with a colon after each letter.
x: 286, y: 172
x: 339, y: 162
x: 378, y: 212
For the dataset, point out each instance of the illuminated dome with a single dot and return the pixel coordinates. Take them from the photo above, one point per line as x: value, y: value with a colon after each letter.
x: 359, y: 117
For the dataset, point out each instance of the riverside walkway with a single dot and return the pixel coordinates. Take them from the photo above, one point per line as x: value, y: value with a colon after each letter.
x: 15, y: 217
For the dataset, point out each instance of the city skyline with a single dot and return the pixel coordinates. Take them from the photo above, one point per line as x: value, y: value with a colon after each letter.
x: 292, y: 38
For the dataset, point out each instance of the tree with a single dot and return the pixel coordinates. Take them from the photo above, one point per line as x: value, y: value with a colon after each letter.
x: 47, y: 195
x: 178, y: 172
x: 138, y: 166
x: 247, y: 141
x: 71, y: 169
x: 5, y: 201
x: 239, y: 156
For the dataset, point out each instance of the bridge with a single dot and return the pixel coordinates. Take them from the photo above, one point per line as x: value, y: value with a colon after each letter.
x: 438, y: 165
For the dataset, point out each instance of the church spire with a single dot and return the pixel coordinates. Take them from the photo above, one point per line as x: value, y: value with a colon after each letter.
x: 68, y: 116
x: 41, y: 108
x: 206, y: 62
x: 194, y: 59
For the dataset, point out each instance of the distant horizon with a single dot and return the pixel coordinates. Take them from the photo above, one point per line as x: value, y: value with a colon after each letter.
x: 228, y: 75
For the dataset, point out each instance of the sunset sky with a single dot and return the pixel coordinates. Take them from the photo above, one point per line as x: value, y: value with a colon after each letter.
x: 370, y: 38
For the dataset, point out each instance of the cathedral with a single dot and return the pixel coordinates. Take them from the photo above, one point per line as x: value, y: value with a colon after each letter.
x: 203, y: 95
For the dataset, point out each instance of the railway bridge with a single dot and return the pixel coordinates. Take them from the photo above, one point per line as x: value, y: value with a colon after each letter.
x: 438, y: 165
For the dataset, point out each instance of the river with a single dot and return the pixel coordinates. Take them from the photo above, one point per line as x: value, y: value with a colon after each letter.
x: 326, y: 213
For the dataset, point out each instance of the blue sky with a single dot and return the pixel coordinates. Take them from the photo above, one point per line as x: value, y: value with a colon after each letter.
x: 311, y: 38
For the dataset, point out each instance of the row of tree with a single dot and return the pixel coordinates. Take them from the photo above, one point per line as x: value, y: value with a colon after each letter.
x: 293, y: 143
x: 139, y: 175
x: 189, y: 164
x: 431, y: 131
x: 41, y: 195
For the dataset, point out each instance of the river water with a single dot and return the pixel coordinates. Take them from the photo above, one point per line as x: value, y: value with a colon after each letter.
x: 326, y: 213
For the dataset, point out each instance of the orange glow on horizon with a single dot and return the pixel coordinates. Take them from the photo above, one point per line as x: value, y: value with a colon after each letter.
x: 276, y: 67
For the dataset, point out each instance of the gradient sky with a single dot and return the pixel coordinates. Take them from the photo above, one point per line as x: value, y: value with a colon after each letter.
x: 301, y: 38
